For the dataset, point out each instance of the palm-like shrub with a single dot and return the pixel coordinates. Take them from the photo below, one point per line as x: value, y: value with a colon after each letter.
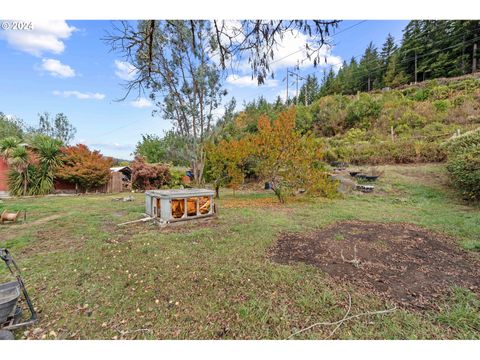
x: 49, y: 155
x: 7, y: 145
x: 21, y: 161
x: 32, y: 168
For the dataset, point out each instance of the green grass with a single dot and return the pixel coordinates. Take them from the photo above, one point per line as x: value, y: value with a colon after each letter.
x: 92, y: 279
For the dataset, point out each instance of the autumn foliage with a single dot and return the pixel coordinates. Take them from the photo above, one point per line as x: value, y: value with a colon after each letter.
x: 287, y: 159
x: 149, y: 176
x: 279, y: 155
x: 86, y: 169
x: 226, y: 161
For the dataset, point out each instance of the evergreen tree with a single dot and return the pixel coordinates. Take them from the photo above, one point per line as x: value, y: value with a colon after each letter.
x: 309, y: 91
x: 394, y: 76
x: 388, y: 48
x: 369, y: 68
x: 328, y: 83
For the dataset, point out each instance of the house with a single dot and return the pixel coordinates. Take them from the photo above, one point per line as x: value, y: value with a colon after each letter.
x: 120, y: 181
x: 3, y: 176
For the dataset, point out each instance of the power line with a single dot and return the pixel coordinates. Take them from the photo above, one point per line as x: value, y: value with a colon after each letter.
x: 426, y: 54
x: 296, y: 52
x: 398, y: 43
x: 400, y: 61
x: 407, y: 59
x: 119, y: 128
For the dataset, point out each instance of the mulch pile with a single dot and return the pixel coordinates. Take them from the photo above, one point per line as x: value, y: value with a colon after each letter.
x: 401, y: 262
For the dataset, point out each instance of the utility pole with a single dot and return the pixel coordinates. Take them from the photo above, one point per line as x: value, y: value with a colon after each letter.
x: 287, y: 87
x: 415, y: 66
x: 297, y: 90
x: 368, y: 83
x: 297, y: 84
x: 306, y: 92
x: 474, y: 58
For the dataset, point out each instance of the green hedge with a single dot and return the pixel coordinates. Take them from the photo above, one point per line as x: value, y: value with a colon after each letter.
x: 464, y: 171
x: 463, y: 143
x: 401, y: 151
x: 464, y: 164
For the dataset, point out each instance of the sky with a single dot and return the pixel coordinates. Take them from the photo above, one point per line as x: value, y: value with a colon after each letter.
x: 65, y: 67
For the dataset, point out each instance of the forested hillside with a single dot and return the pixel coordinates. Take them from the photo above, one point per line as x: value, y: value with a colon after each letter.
x: 391, y: 126
x: 428, y: 50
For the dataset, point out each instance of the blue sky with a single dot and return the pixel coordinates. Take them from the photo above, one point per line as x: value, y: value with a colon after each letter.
x: 63, y: 66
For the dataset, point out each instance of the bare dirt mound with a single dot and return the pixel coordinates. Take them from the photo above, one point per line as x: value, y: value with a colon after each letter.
x: 402, y: 262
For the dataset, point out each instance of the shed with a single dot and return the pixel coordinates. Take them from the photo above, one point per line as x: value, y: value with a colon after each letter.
x: 179, y: 204
x: 120, y: 179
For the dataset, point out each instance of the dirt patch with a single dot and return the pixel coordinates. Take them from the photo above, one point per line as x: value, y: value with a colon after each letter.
x: 402, y: 262
x: 22, y: 225
x: 189, y: 226
x: 423, y: 174
x: 120, y: 234
x: 263, y: 203
x: 237, y: 203
x: 53, y: 241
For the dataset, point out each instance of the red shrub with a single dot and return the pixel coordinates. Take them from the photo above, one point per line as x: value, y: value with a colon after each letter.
x: 149, y: 176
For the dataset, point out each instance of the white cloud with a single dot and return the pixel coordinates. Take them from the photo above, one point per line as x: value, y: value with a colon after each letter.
x: 57, y: 69
x: 291, y: 52
x: 283, y: 95
x: 112, y: 146
x: 125, y: 70
x: 141, y: 103
x: 79, y: 95
x: 46, y: 36
x: 247, y: 81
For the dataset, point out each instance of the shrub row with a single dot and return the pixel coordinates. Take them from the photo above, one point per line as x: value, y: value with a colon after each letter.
x: 402, y: 151
x: 464, y: 164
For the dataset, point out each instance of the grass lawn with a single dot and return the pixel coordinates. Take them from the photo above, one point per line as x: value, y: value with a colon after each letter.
x: 91, y: 279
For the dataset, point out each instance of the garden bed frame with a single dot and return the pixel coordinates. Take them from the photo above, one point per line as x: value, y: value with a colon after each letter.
x: 179, y: 204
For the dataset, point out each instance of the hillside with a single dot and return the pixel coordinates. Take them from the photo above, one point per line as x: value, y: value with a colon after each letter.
x: 407, y: 124
x: 402, y: 125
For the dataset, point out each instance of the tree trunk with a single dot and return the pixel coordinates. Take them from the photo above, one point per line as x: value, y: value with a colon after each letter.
x: 278, y: 194
x: 217, y: 191
x: 198, y: 165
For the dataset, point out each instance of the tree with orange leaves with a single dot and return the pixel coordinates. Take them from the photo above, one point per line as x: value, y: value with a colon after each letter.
x: 286, y: 159
x: 225, y: 163
x: 280, y: 155
x: 85, y: 168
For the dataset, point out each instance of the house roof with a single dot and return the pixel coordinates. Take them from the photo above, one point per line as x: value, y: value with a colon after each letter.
x: 120, y: 168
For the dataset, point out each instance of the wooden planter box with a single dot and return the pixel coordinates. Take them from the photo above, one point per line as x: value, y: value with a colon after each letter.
x: 179, y: 204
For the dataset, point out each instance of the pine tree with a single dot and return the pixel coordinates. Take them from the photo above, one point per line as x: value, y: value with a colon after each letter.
x: 309, y: 91
x: 388, y: 48
x: 369, y: 68
x: 394, y: 76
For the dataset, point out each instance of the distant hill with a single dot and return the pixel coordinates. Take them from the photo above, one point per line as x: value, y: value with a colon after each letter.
x: 121, y: 162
